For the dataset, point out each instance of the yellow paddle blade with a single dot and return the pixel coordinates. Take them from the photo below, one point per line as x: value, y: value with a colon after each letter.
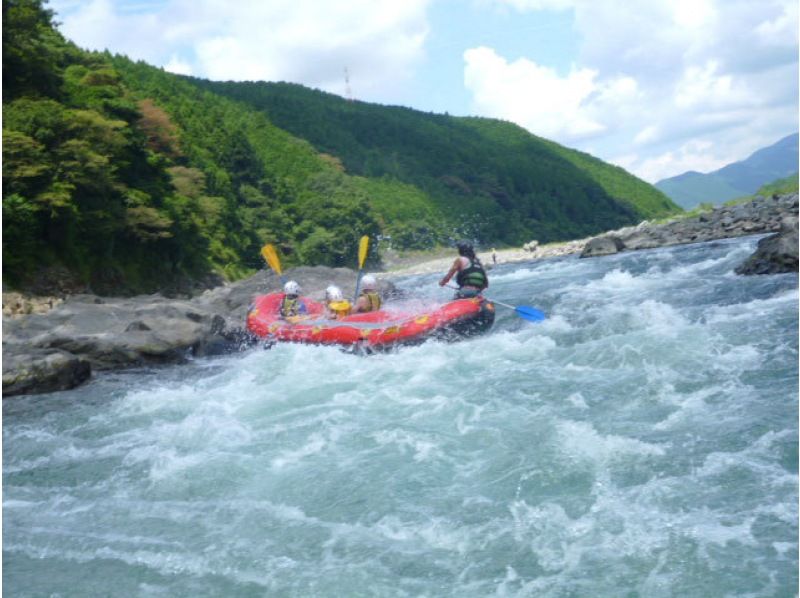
x: 269, y: 253
x: 363, y: 247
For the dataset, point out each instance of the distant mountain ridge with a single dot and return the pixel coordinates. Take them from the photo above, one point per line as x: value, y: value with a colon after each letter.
x: 738, y: 179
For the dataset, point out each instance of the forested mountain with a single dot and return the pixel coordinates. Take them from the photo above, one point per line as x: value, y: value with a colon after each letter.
x: 135, y: 179
x: 468, y: 163
x: 738, y: 179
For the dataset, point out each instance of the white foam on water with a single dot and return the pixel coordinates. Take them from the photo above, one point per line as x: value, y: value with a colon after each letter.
x: 752, y: 310
x: 692, y: 406
x: 556, y: 323
x: 436, y: 533
x: 423, y: 448
x: 581, y: 440
x: 630, y: 443
x: 519, y: 275
x: 616, y: 283
x: 314, y: 445
x: 577, y: 400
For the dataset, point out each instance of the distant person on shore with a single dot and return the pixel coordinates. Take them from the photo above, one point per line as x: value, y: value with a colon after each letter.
x: 336, y: 306
x: 494, y: 255
x: 368, y: 298
x: 291, y: 304
x: 470, y: 275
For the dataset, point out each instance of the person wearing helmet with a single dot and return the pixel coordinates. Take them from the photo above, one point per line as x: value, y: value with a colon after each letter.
x: 291, y: 304
x: 470, y: 275
x: 368, y: 298
x: 336, y: 306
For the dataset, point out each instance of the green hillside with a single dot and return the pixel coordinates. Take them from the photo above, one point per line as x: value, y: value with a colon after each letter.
x: 735, y: 180
x: 519, y: 186
x: 782, y: 186
x: 693, y: 188
x: 619, y: 184
x: 134, y: 179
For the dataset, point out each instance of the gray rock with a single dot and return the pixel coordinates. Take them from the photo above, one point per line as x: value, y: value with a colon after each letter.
x: 599, y: 246
x: 775, y: 254
x: 87, y: 333
x: 41, y: 370
x: 753, y: 217
x: 641, y: 240
x: 530, y: 246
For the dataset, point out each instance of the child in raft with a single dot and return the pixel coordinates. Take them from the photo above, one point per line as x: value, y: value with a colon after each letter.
x: 336, y: 306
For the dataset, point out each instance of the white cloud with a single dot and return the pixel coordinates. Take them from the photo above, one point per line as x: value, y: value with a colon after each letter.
x: 538, y: 98
x: 704, y: 86
x: 646, y: 135
x: 698, y: 155
x: 304, y: 41
x: 178, y: 66
x: 654, y: 76
x: 693, y: 13
x: 523, y: 5
x: 781, y: 29
x: 716, y: 79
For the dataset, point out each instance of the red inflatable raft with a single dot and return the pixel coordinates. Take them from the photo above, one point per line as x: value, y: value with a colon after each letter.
x: 372, y: 330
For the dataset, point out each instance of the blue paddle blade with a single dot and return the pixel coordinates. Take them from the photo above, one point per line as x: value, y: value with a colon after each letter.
x: 530, y: 313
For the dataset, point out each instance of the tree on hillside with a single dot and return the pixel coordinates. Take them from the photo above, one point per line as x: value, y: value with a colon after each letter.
x: 33, y: 50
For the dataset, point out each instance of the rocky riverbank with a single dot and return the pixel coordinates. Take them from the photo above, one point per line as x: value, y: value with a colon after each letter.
x: 53, y: 344
x: 60, y: 348
x: 759, y: 216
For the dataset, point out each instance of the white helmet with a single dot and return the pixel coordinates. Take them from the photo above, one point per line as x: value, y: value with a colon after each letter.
x: 368, y: 283
x: 333, y: 293
x: 292, y: 288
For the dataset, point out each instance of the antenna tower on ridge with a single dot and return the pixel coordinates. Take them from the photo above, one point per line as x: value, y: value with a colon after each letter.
x: 348, y: 93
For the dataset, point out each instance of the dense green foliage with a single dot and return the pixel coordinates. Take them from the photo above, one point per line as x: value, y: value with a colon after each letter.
x: 493, y: 179
x: 780, y: 186
x: 619, y: 184
x: 783, y: 186
x: 277, y: 188
x: 135, y: 179
x: 692, y: 188
x: 80, y: 188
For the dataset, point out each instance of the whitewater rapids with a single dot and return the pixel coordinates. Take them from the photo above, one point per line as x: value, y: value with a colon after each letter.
x: 642, y: 441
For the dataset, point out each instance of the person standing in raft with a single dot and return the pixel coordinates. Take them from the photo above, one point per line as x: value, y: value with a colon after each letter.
x: 291, y: 304
x: 368, y: 298
x: 471, y: 277
x: 336, y: 306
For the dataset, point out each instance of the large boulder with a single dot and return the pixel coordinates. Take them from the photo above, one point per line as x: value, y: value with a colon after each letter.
x: 606, y: 245
x: 42, y: 370
x: 58, y: 349
x: 530, y: 246
x: 774, y: 254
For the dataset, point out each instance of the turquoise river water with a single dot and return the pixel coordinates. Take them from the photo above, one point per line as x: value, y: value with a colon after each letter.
x: 641, y: 442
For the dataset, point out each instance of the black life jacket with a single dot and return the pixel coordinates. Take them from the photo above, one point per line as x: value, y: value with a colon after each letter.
x: 374, y: 300
x: 290, y: 306
x: 473, y: 276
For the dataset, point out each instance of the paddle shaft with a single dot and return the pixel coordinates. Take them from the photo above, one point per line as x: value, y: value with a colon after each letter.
x: 363, y: 247
x: 524, y: 311
x: 271, y: 257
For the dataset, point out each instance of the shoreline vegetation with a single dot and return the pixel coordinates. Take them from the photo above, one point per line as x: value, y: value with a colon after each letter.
x: 704, y: 223
x: 80, y: 334
x: 127, y: 179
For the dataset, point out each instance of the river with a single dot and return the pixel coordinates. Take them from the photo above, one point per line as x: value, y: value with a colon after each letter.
x: 641, y: 441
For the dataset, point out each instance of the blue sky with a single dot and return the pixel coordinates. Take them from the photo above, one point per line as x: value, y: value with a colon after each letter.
x: 658, y: 87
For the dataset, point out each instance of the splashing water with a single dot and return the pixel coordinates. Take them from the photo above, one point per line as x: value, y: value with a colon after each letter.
x: 642, y: 441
